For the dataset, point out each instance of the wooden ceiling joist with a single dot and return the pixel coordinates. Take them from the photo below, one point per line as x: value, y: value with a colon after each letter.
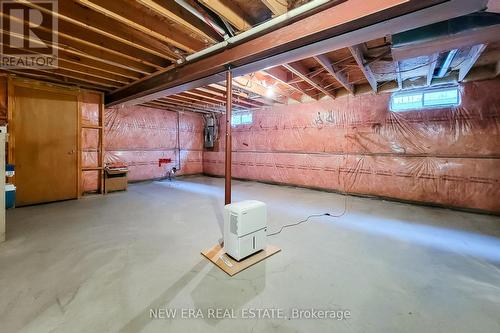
x: 221, y: 99
x: 278, y: 87
x: 250, y: 84
x: 189, y: 106
x: 72, y: 36
x: 334, y: 72
x: 87, y: 19
x: 82, y: 77
x: 92, y: 72
x: 238, y: 93
x: 68, y: 64
x: 98, y: 65
x: 171, y: 11
x: 185, y: 106
x: 281, y: 75
x: 216, y: 93
x: 357, y: 53
x: 277, y: 7
x: 227, y: 11
x: 38, y: 75
x: 65, y: 77
x: 134, y: 16
x: 298, y: 69
x: 474, y: 54
x: 181, y: 100
x: 83, y: 50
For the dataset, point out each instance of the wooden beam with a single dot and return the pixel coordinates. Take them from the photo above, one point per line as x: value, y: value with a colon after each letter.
x: 175, y: 107
x: 277, y: 86
x: 89, y: 20
x: 433, y: 59
x: 277, y: 7
x: 203, y: 95
x: 341, y: 78
x: 66, y: 62
x: 42, y: 76
x: 228, y: 12
x: 133, y: 16
x: 216, y: 94
x: 191, y: 101
x: 474, y: 54
x: 239, y: 93
x: 175, y: 102
x: 70, y: 34
x: 171, y: 11
x: 250, y: 84
x: 88, y: 51
x: 357, y: 53
x: 298, y: 69
x: 351, y: 21
x: 282, y: 75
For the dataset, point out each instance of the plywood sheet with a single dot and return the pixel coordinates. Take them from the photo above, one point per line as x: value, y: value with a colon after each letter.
x: 231, y: 266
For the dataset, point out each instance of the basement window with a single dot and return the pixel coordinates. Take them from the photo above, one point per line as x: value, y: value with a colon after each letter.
x: 425, y: 99
x: 241, y: 119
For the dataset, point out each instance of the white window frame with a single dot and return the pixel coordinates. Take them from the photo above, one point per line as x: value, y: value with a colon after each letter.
x: 422, y: 93
x: 240, y: 116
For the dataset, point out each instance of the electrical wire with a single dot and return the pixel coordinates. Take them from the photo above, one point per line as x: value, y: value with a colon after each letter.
x: 344, y: 211
x: 307, y: 219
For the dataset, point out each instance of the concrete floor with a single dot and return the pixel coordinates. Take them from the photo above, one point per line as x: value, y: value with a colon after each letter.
x: 101, y: 263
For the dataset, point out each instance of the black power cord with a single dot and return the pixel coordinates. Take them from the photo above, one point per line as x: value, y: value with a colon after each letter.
x: 307, y: 219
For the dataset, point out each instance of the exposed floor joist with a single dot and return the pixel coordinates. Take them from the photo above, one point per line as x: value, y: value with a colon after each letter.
x: 171, y: 11
x: 357, y: 53
x: 472, y: 57
x: 227, y: 11
x: 132, y: 14
x: 277, y: 7
x: 303, y: 73
x: 335, y: 73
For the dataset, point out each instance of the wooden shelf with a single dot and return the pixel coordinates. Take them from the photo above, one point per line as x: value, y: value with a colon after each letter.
x: 92, y: 169
x: 92, y: 126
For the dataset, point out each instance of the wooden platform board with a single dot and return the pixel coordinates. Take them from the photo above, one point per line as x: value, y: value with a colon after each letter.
x: 231, y: 266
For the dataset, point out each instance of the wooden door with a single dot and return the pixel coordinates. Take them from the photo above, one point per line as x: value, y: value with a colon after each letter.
x: 45, y: 149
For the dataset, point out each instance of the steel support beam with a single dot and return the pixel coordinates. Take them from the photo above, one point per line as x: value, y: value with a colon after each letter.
x: 229, y: 144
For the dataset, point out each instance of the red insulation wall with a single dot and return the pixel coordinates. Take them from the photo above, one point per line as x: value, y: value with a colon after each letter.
x: 139, y: 137
x: 446, y: 156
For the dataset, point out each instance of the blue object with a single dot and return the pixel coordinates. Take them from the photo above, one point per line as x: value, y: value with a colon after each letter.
x: 9, y: 170
x: 10, y: 196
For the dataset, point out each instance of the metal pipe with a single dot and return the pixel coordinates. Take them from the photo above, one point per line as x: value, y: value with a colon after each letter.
x: 229, y: 146
x: 207, y: 20
x: 258, y: 29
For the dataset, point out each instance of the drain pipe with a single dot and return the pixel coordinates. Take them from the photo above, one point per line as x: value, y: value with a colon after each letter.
x: 255, y: 30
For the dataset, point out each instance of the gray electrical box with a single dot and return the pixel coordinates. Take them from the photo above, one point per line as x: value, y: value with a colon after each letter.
x: 209, y: 133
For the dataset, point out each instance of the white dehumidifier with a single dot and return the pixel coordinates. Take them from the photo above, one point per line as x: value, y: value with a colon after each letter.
x: 245, y: 228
